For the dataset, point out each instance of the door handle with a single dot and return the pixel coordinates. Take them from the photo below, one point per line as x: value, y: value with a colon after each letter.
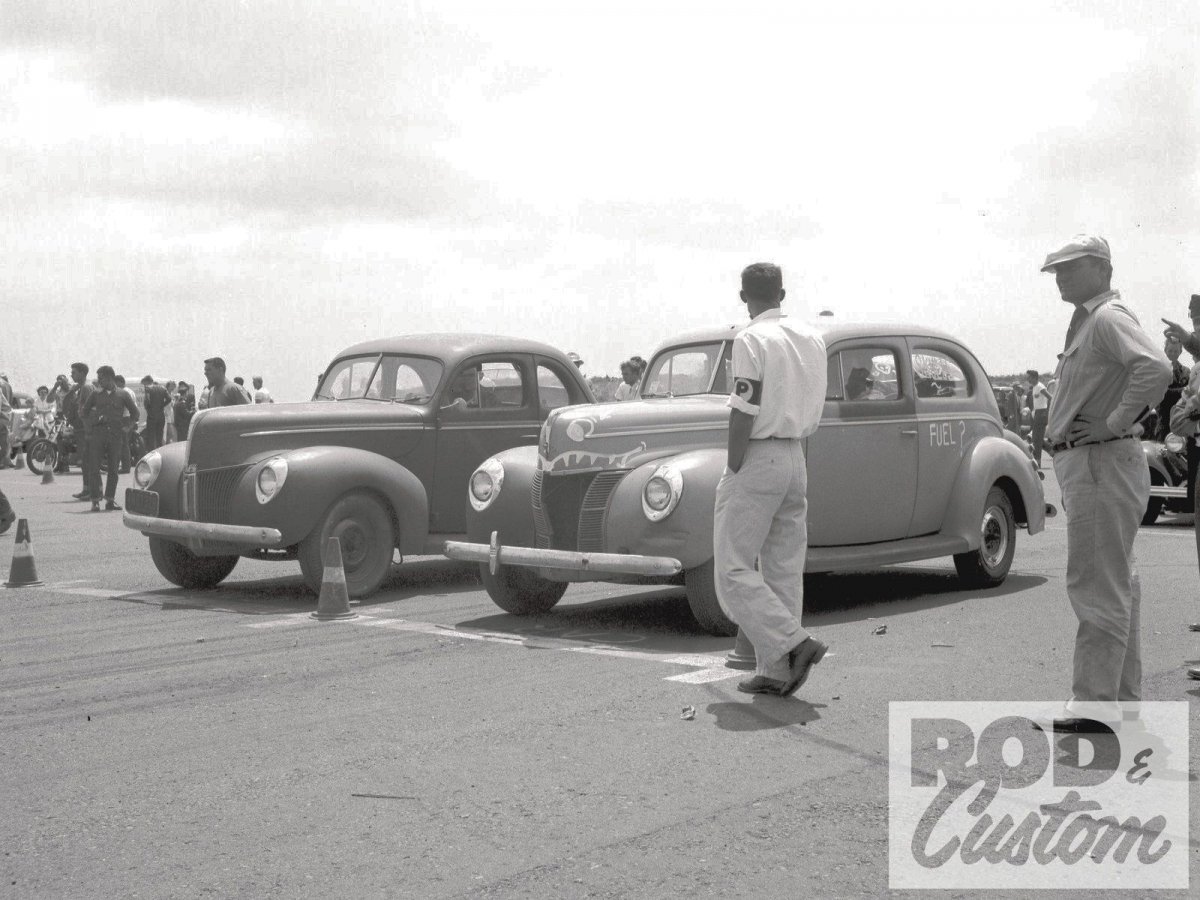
x: 913, y: 432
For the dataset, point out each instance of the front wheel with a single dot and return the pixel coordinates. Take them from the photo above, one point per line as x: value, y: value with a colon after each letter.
x: 363, y: 526
x: 41, y: 454
x: 988, y: 566
x: 701, y: 585
x: 1154, y: 505
x: 521, y: 591
x: 182, y: 567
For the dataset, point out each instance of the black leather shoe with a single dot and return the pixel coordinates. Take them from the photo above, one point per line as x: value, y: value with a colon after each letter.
x: 82, y: 495
x: 1194, y: 672
x: 95, y: 506
x: 1074, y: 725
x: 803, y: 657
x: 111, y: 505
x: 1195, y: 626
x: 760, y: 684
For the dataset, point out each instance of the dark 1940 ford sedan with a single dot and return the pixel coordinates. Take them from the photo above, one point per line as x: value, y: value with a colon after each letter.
x: 380, y: 459
x: 911, y: 461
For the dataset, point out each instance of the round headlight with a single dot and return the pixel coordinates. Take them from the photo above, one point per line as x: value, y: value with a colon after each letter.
x: 1174, y: 443
x: 485, y: 484
x: 270, y: 479
x: 147, y: 469
x: 661, y: 494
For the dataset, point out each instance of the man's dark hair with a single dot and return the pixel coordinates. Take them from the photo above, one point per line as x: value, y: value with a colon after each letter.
x: 103, y: 371
x: 120, y: 380
x: 42, y: 387
x: 239, y: 380
x: 216, y: 362
x: 79, y: 367
x: 146, y: 379
x: 1032, y: 373
x: 762, y: 281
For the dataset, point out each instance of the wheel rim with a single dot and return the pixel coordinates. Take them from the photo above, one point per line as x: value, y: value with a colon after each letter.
x: 994, y: 546
x: 355, y: 545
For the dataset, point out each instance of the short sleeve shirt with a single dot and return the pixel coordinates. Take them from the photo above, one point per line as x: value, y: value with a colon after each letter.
x: 779, y: 376
x: 228, y: 394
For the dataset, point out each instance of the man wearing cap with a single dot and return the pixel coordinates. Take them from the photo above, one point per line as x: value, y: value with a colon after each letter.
x: 779, y: 372
x: 1109, y: 374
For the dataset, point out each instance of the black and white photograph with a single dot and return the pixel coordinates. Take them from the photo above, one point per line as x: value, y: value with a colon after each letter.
x: 576, y: 450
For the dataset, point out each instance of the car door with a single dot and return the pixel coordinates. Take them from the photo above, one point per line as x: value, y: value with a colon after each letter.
x: 950, y: 418
x: 489, y: 404
x: 862, y: 461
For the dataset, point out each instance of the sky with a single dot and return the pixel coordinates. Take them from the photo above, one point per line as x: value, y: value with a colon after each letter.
x: 271, y: 181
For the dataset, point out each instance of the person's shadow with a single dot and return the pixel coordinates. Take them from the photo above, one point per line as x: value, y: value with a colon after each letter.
x: 763, y: 712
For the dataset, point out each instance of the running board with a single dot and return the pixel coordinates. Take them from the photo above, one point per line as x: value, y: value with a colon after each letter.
x: 868, y: 556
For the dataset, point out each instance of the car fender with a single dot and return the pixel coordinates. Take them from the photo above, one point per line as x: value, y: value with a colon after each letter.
x: 317, y: 476
x: 989, y: 461
x: 1154, y: 460
x: 687, y: 533
x: 511, y: 513
x: 170, y: 473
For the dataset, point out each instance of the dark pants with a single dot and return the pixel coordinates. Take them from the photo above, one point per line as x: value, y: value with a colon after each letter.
x: 152, y: 434
x: 1193, y: 458
x: 5, y: 461
x: 85, y: 460
x: 1040, y: 417
x: 126, y: 430
x: 5, y: 509
x: 105, y: 445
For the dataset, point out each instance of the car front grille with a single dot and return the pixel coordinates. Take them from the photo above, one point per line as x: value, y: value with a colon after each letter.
x: 569, y: 510
x: 214, y: 492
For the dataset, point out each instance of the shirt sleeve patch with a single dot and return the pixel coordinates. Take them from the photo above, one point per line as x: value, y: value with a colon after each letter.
x: 748, y: 390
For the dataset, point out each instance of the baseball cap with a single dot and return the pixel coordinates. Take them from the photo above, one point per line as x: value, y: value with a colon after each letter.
x: 1078, y: 246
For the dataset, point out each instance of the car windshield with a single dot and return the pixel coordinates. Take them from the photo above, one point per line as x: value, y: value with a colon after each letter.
x: 386, y: 377
x: 683, y: 371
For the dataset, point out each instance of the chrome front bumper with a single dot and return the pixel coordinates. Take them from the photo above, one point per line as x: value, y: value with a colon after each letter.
x: 184, y: 530
x: 605, y: 563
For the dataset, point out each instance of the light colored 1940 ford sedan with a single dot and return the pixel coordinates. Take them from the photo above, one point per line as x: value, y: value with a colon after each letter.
x: 910, y: 462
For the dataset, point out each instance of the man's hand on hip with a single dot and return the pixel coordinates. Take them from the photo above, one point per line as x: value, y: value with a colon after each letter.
x: 1089, y: 430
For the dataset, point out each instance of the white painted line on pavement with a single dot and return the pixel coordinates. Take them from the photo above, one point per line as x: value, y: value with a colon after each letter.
x: 711, y: 668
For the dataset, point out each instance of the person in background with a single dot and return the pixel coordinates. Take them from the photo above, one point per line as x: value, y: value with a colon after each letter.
x: 127, y: 423
x: 1179, y: 380
x: 627, y: 389
x: 261, y: 394
x: 156, y: 399
x: 7, y: 516
x: 1038, y: 401
x: 241, y: 383
x: 6, y: 417
x: 43, y: 409
x: 222, y: 392
x: 183, y: 407
x: 83, y: 429
x: 169, y: 435
x: 107, y: 409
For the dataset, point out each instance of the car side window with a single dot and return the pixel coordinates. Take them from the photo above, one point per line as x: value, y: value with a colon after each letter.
x: 487, y: 385
x: 552, y: 393
x: 863, y: 374
x: 936, y: 375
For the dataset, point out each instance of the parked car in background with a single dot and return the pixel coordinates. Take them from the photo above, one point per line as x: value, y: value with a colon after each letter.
x: 911, y: 461
x: 380, y: 459
x: 1168, y: 477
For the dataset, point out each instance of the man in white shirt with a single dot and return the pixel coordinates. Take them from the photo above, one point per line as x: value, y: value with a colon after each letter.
x: 261, y: 394
x: 1038, y: 399
x: 779, y: 371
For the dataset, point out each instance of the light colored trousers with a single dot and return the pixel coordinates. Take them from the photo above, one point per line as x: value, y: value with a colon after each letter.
x: 761, y: 514
x: 1105, y: 488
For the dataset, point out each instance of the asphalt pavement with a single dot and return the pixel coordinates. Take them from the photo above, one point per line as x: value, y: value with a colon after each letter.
x: 161, y: 742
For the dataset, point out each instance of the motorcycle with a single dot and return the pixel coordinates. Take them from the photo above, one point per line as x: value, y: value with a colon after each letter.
x: 44, y: 451
x: 1168, y: 477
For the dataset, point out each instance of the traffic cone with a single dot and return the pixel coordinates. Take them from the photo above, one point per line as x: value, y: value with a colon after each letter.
x: 23, y: 572
x: 742, y: 655
x: 48, y: 464
x: 20, y: 460
x: 334, y: 600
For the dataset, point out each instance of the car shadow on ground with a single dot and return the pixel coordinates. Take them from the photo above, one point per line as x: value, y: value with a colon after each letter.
x: 659, y: 619
x: 763, y: 712
x: 289, y: 594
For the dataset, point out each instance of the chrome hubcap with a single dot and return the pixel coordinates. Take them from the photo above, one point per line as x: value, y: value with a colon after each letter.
x: 995, y: 537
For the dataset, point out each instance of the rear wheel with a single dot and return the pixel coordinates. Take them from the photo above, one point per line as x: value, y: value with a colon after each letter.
x: 41, y: 454
x: 363, y: 527
x: 701, y: 584
x: 520, y: 590
x: 988, y: 566
x: 1154, y: 506
x: 182, y: 567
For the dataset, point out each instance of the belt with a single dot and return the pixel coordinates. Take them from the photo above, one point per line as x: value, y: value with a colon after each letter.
x: 1069, y: 445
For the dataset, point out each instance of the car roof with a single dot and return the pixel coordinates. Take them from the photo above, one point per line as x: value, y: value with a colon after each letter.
x: 451, y: 348
x: 831, y: 330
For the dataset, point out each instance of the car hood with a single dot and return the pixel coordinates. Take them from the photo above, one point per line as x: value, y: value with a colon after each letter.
x: 229, y: 435
x: 624, y: 435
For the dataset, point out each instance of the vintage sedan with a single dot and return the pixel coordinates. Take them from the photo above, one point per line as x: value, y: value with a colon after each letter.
x: 379, y: 459
x: 911, y: 461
